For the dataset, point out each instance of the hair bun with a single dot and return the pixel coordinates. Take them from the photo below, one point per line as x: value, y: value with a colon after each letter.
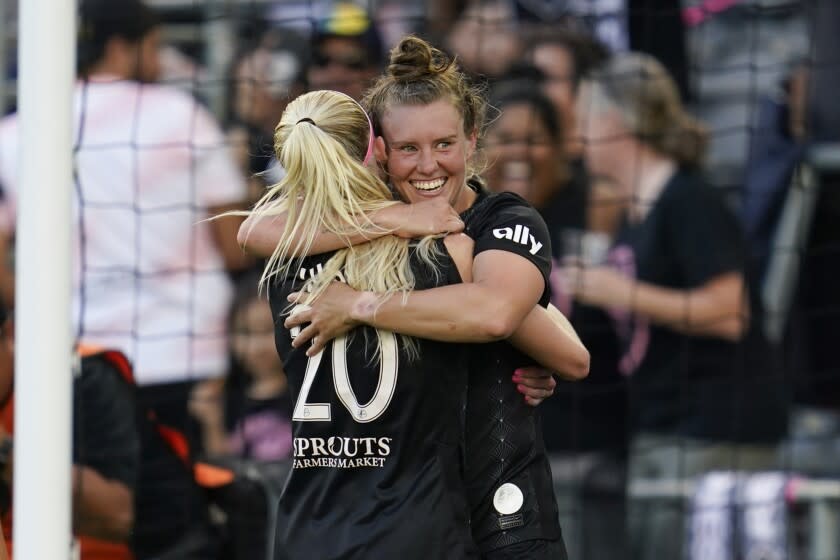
x: 413, y: 59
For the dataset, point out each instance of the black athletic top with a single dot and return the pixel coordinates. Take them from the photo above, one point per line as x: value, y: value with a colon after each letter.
x: 509, y: 485
x: 377, y: 440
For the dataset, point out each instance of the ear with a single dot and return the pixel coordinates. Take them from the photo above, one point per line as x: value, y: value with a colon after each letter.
x: 380, y: 151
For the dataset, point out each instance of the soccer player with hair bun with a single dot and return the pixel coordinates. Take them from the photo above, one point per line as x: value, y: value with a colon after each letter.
x: 428, y: 119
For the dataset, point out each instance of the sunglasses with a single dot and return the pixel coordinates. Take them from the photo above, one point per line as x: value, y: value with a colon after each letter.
x: 350, y: 61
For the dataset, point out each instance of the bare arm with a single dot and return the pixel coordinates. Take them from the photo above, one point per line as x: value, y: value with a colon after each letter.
x: 718, y: 308
x: 224, y: 231
x: 547, y: 336
x: 102, y: 508
x: 505, y: 288
x: 260, y: 235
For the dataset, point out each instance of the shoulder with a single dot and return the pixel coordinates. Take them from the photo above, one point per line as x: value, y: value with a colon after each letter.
x: 500, y: 209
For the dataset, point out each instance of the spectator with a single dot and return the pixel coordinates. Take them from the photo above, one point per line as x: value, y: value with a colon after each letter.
x: 565, y: 56
x: 525, y: 153
x: 264, y: 78
x: 106, y: 452
x: 347, y: 51
x: 815, y: 119
x: 151, y: 164
x: 247, y: 415
x: 705, y: 391
x: 486, y: 38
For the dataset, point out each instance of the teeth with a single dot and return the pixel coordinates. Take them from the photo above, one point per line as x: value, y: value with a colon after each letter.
x: 428, y: 185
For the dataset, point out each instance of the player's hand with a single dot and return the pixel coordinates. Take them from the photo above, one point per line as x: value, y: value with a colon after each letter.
x: 325, y: 318
x: 535, y: 383
x: 428, y: 217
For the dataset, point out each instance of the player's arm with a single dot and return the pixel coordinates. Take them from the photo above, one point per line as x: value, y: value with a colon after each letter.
x: 224, y: 232
x: 505, y: 288
x: 260, y: 234
x: 547, y: 336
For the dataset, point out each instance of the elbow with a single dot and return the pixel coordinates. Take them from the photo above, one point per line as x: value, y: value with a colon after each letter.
x: 580, y: 366
x: 498, y: 327
x: 576, y: 366
x: 242, y: 233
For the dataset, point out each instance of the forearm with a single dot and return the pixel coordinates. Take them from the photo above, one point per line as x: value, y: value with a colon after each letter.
x: 694, y: 312
x: 102, y: 508
x: 259, y: 235
x: 456, y: 313
x: 549, y: 338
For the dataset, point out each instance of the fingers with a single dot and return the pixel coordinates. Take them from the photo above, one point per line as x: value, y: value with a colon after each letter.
x: 304, y: 336
x: 298, y: 319
x: 455, y: 225
x: 530, y: 401
x: 318, y: 344
x: 535, y: 384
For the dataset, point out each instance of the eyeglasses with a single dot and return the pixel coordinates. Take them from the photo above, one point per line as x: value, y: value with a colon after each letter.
x: 351, y: 61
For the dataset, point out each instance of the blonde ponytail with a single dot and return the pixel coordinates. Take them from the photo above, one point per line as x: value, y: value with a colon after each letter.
x: 321, y: 141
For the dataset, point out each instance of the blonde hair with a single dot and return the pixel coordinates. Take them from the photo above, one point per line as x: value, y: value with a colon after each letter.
x: 321, y: 141
x: 420, y: 74
x: 639, y: 88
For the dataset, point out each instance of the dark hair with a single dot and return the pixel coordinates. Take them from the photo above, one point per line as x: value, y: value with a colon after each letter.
x: 346, y: 20
x: 101, y: 20
x: 522, y: 86
x: 419, y: 74
x: 587, y: 52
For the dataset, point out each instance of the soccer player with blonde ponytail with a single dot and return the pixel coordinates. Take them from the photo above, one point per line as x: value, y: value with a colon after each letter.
x: 376, y: 418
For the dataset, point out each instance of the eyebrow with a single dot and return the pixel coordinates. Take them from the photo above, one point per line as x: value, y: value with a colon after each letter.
x: 435, y: 141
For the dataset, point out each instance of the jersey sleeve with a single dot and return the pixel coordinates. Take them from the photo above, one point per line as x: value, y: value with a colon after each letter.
x: 105, y: 431
x: 706, y: 235
x: 506, y: 222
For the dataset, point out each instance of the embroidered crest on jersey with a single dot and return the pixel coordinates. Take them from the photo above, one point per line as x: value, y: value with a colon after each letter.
x: 508, y: 499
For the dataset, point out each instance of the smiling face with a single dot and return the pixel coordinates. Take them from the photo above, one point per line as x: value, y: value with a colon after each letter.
x: 427, y: 152
x: 522, y: 154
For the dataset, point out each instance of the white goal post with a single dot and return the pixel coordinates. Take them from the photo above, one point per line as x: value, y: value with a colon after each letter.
x: 43, y: 380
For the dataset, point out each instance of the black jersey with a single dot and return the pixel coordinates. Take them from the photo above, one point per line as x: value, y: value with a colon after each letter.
x: 509, y: 484
x: 377, y: 441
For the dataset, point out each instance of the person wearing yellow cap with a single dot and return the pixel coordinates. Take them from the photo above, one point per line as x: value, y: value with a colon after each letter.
x: 347, y: 51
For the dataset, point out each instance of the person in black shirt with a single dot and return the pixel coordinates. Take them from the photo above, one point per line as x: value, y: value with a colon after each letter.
x: 377, y: 417
x: 704, y: 392
x: 429, y: 118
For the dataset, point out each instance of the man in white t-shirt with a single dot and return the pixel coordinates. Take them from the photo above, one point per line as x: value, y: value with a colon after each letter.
x: 150, y: 276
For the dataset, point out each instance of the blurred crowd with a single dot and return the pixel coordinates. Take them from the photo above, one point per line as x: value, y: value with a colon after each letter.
x: 614, y: 118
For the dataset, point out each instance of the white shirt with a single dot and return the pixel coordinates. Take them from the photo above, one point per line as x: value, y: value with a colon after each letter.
x: 148, y: 278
